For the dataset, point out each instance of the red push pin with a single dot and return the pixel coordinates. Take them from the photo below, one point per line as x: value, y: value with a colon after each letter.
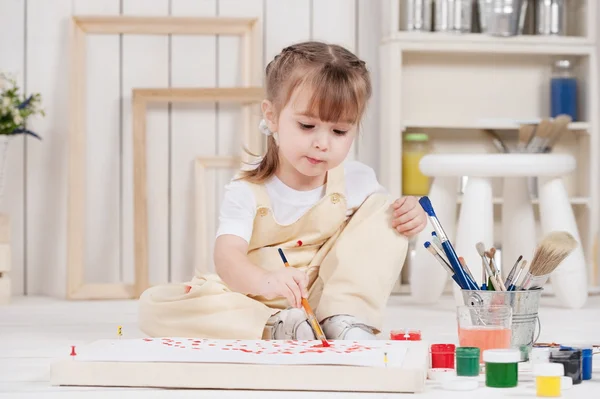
x: 73, y: 351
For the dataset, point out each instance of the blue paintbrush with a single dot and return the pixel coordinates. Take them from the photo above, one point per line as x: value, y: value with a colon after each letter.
x: 463, y: 280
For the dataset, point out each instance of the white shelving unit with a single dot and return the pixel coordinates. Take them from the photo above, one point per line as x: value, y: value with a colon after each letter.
x: 455, y: 86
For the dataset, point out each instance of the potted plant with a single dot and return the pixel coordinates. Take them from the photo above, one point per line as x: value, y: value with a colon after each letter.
x: 15, y: 109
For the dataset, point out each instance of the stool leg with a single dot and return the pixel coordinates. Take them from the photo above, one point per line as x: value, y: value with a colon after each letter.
x: 518, y: 223
x: 475, y: 223
x: 569, y: 280
x: 427, y: 277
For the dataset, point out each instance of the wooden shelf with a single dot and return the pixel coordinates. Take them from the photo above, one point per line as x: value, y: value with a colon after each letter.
x: 585, y: 201
x: 485, y: 125
x: 483, y: 43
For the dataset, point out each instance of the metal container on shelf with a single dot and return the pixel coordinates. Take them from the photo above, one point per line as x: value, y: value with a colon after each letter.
x: 502, y: 17
x: 453, y: 15
x: 416, y: 15
x: 551, y: 16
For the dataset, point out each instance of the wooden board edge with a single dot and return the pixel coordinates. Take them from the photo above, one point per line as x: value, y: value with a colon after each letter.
x: 237, y: 376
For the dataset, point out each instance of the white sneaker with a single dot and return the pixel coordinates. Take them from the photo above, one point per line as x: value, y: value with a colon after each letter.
x: 346, y: 327
x: 290, y: 324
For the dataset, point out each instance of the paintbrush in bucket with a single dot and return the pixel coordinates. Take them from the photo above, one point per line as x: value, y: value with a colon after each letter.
x: 552, y: 250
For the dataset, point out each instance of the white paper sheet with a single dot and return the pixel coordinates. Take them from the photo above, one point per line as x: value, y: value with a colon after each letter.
x: 172, y: 349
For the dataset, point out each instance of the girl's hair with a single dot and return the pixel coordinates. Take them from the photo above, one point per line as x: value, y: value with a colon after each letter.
x: 340, y: 84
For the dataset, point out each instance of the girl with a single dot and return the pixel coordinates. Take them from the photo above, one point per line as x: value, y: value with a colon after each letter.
x: 346, y: 243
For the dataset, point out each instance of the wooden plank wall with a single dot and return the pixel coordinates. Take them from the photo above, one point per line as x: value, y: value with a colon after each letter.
x: 34, y: 47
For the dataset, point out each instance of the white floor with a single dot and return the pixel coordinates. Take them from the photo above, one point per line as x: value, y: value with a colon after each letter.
x: 35, y: 331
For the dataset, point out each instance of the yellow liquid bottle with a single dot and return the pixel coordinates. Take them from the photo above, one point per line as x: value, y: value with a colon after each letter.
x: 416, y: 146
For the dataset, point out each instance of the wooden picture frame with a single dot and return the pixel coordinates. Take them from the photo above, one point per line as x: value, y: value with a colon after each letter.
x: 250, y: 92
x: 200, y: 192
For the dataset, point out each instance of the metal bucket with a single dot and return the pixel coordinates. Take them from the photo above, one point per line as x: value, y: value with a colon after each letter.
x: 502, y: 17
x: 525, y: 320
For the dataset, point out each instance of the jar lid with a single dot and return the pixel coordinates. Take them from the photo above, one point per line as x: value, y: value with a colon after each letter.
x: 549, y: 370
x: 566, y: 382
x: 502, y: 356
x: 441, y: 374
x: 539, y: 354
x: 416, y: 137
x: 467, y: 351
x: 443, y: 348
x: 461, y: 384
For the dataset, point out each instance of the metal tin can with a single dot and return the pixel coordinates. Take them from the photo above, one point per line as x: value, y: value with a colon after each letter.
x: 416, y: 15
x: 453, y: 15
x: 551, y: 17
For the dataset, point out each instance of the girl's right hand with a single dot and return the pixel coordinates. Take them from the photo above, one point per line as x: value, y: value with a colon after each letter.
x: 289, y: 282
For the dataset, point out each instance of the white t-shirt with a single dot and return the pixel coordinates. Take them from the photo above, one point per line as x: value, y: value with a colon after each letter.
x: 238, y: 208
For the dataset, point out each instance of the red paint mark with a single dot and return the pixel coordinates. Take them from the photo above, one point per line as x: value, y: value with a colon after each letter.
x: 299, y: 243
x: 225, y: 349
x: 245, y: 350
x: 188, y: 288
x: 323, y: 344
x: 148, y: 339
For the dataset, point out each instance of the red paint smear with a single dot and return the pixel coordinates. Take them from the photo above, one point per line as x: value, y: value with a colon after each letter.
x: 323, y: 344
x: 188, y: 288
x: 245, y: 350
x: 148, y: 339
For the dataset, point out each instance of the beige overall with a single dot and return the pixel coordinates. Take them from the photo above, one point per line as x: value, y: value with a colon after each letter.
x: 352, y: 265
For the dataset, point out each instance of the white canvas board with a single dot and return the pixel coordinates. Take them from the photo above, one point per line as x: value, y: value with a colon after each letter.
x: 172, y: 349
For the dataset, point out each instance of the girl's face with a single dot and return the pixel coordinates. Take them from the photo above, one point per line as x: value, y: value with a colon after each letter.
x: 308, y: 144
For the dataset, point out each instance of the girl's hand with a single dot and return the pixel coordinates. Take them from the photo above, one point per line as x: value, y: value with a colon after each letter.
x: 289, y: 282
x: 409, y: 218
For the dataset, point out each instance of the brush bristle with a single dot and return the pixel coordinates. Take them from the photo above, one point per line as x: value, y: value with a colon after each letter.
x: 553, y: 249
x: 480, y: 248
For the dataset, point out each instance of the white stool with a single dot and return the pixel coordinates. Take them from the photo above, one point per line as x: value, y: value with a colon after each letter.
x: 476, y: 220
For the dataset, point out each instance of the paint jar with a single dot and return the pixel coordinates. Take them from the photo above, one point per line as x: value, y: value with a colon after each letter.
x: 484, y: 327
x: 548, y: 379
x: 586, y: 359
x: 467, y: 361
x: 571, y: 360
x: 501, y: 367
x: 405, y: 335
x: 539, y: 356
x: 442, y: 356
x: 414, y: 182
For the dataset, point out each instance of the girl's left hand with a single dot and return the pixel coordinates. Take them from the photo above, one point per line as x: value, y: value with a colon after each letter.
x: 409, y: 218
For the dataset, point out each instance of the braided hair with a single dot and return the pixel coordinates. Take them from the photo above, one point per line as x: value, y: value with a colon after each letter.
x: 340, y: 83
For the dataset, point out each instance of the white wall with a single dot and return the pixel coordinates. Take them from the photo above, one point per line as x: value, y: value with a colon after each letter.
x: 34, y: 45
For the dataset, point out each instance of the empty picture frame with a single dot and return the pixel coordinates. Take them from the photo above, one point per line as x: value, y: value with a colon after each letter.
x: 249, y: 31
x: 200, y: 194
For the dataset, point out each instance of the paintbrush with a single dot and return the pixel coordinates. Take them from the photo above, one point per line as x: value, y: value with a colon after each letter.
x: 441, y: 260
x: 512, y: 271
x: 561, y: 123
x: 513, y: 284
x: 437, y: 245
x: 312, y: 319
x: 525, y: 134
x: 464, y: 281
x: 541, y: 136
x: 551, y: 251
x: 481, y: 251
x: 463, y: 263
x: 497, y: 275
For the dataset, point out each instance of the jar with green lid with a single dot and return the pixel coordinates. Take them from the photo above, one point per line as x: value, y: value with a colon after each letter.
x: 501, y: 367
x: 415, y: 147
x: 467, y: 361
